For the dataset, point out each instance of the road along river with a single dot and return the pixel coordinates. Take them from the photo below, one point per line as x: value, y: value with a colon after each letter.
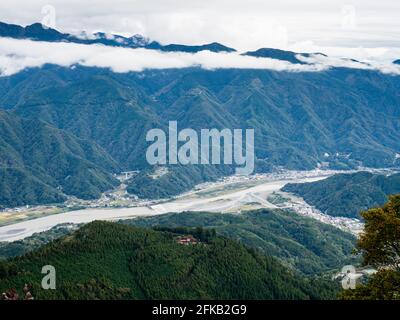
x: 230, y: 195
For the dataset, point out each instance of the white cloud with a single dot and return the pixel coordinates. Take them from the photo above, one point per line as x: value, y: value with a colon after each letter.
x: 382, y: 54
x: 245, y: 25
x: 16, y: 55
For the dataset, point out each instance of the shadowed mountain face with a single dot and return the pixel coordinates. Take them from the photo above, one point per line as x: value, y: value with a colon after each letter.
x: 340, y: 118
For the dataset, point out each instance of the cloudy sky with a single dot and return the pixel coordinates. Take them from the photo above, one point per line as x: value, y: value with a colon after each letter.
x: 245, y: 24
x: 366, y: 30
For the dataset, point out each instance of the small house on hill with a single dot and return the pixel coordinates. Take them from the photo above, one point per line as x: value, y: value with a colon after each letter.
x: 187, y: 240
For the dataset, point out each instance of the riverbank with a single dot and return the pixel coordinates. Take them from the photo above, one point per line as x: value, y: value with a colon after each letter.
x: 232, y: 194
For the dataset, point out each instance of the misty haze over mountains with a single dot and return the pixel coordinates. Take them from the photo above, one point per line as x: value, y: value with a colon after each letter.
x: 39, y: 32
x: 137, y: 53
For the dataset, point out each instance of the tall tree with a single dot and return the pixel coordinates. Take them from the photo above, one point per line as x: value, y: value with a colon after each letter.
x: 380, y: 241
x: 380, y: 246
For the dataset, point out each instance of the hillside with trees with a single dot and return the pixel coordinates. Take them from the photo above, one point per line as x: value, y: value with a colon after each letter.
x: 42, y: 164
x: 104, y: 260
x: 346, y: 195
x: 300, y: 243
x: 299, y: 128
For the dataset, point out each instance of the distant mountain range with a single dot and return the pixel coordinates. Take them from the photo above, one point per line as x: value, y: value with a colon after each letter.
x: 38, y: 32
x: 288, y: 56
x: 340, y: 118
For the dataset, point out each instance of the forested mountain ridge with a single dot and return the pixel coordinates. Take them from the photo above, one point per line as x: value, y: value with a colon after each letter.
x: 278, y: 54
x: 320, y: 112
x: 38, y: 32
x: 348, y: 194
x: 106, y: 260
x: 300, y: 243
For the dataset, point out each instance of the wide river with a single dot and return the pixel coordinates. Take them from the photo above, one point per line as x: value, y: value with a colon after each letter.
x: 214, y: 198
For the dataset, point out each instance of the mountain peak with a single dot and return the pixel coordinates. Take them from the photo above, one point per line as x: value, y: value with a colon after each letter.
x: 35, y: 31
x: 213, y: 47
x: 38, y: 32
x: 11, y: 30
x: 140, y: 40
x: 36, y: 25
x: 43, y: 33
x: 277, y: 54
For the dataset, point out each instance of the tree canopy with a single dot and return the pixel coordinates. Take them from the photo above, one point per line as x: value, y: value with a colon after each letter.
x: 380, y: 247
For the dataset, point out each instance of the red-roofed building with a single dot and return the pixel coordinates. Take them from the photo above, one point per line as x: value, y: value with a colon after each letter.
x: 186, y: 240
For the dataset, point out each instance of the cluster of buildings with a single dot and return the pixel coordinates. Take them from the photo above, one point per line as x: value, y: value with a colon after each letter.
x: 354, y: 226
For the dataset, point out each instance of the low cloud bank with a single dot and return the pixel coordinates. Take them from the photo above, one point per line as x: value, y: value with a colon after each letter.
x: 17, y: 55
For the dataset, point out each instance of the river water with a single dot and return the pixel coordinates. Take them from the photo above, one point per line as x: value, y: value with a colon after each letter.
x: 213, y: 198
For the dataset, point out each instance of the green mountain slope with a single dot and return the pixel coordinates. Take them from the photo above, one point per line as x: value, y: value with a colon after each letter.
x: 303, y: 122
x: 347, y: 194
x: 341, y: 118
x: 40, y: 163
x: 19, y: 187
x: 113, y: 114
x: 300, y: 243
x: 178, y: 179
x: 112, y: 261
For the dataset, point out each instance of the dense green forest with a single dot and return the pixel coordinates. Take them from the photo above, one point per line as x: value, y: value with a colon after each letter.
x: 294, y: 129
x: 41, y: 164
x: 347, y: 195
x: 178, y: 180
x: 301, y: 244
x: 105, y: 260
x: 379, y: 246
